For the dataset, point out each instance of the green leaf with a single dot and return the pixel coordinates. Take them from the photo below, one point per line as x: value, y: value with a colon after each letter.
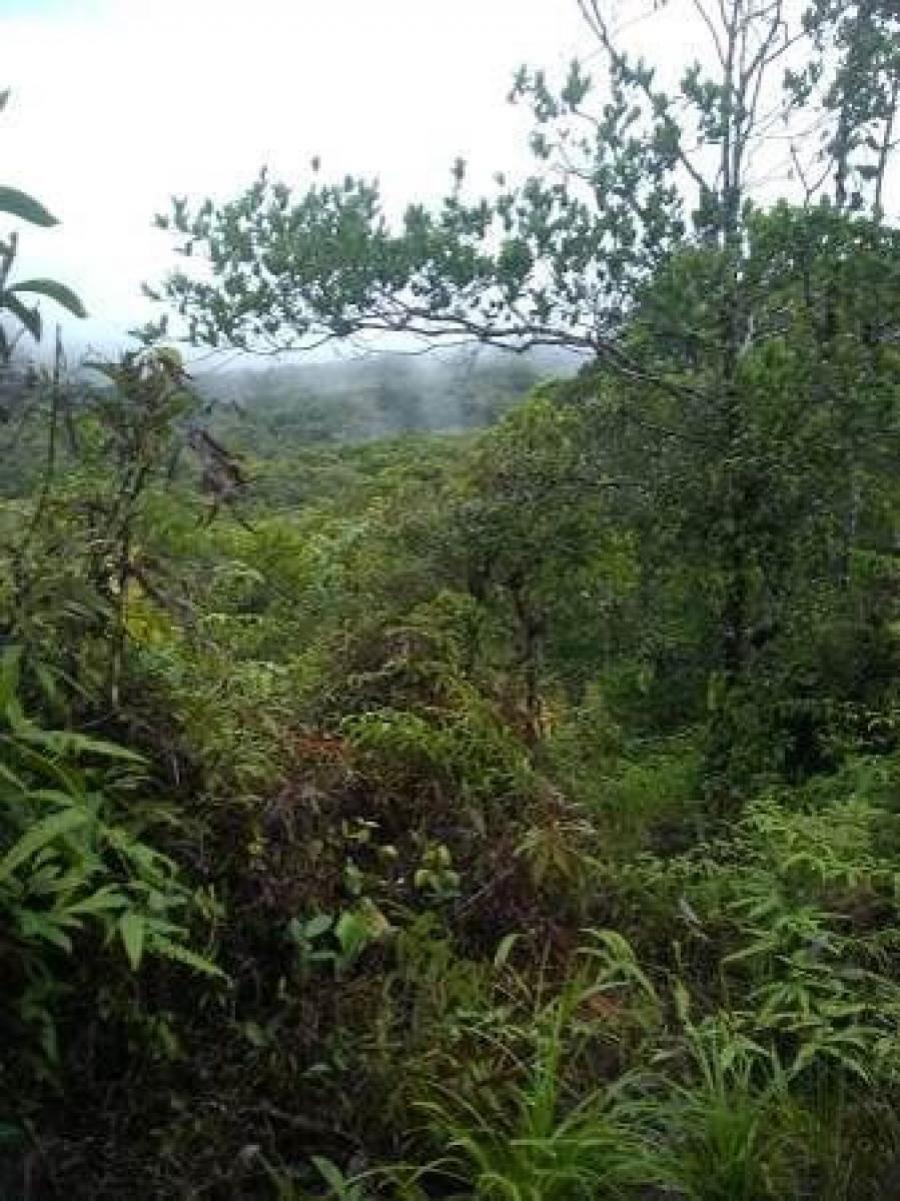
x: 317, y: 925
x: 504, y: 949
x: 357, y: 928
x: 42, y: 925
x: 160, y: 945
x: 54, y: 796
x: 255, y: 1035
x: 10, y: 672
x: 104, y: 899
x: 7, y: 774
x: 353, y: 932
x: 132, y: 928
x: 19, y: 204
x: 54, y: 290
x: 43, y: 764
x: 30, y: 318
x: 69, y: 742
x: 40, y: 835
x: 333, y: 1176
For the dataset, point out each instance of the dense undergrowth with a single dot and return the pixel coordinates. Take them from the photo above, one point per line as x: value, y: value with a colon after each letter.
x: 420, y: 875
x: 511, y: 814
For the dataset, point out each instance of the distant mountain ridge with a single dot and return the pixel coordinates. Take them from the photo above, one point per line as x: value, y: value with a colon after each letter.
x: 372, y: 396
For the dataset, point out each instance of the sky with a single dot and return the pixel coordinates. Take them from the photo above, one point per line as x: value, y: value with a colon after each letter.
x: 118, y: 104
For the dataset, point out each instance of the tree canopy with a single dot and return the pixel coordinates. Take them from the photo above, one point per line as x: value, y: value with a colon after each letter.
x: 627, y: 173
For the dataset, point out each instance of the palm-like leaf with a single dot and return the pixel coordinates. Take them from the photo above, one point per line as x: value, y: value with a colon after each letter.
x: 15, y: 203
x: 53, y: 290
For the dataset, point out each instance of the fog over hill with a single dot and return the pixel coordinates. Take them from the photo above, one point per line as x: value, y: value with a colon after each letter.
x: 372, y: 396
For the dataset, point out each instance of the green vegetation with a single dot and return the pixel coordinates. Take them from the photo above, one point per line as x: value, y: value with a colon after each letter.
x: 23, y: 207
x: 511, y: 812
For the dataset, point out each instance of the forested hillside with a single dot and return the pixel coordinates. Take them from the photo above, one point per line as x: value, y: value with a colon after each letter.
x: 492, y: 796
x: 369, y: 396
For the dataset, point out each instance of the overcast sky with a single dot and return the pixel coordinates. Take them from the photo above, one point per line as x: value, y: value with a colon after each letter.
x: 119, y: 103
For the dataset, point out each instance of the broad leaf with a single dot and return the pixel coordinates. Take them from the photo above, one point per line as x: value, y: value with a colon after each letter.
x: 70, y: 742
x: 45, y: 926
x: 105, y: 899
x: 318, y: 925
x: 54, y: 290
x: 19, y: 204
x: 40, y: 835
x: 132, y: 928
x: 30, y: 318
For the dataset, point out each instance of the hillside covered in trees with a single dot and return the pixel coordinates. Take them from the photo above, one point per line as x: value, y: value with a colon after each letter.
x: 481, y: 779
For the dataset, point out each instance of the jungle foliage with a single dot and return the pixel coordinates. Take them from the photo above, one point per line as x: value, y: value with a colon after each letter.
x: 509, y: 813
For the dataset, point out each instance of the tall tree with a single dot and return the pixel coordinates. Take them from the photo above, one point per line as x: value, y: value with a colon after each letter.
x: 641, y: 241
x: 627, y: 173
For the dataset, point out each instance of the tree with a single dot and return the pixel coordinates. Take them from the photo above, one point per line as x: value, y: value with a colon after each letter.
x: 561, y: 259
x: 640, y: 241
x: 774, y: 515
x: 860, y: 98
